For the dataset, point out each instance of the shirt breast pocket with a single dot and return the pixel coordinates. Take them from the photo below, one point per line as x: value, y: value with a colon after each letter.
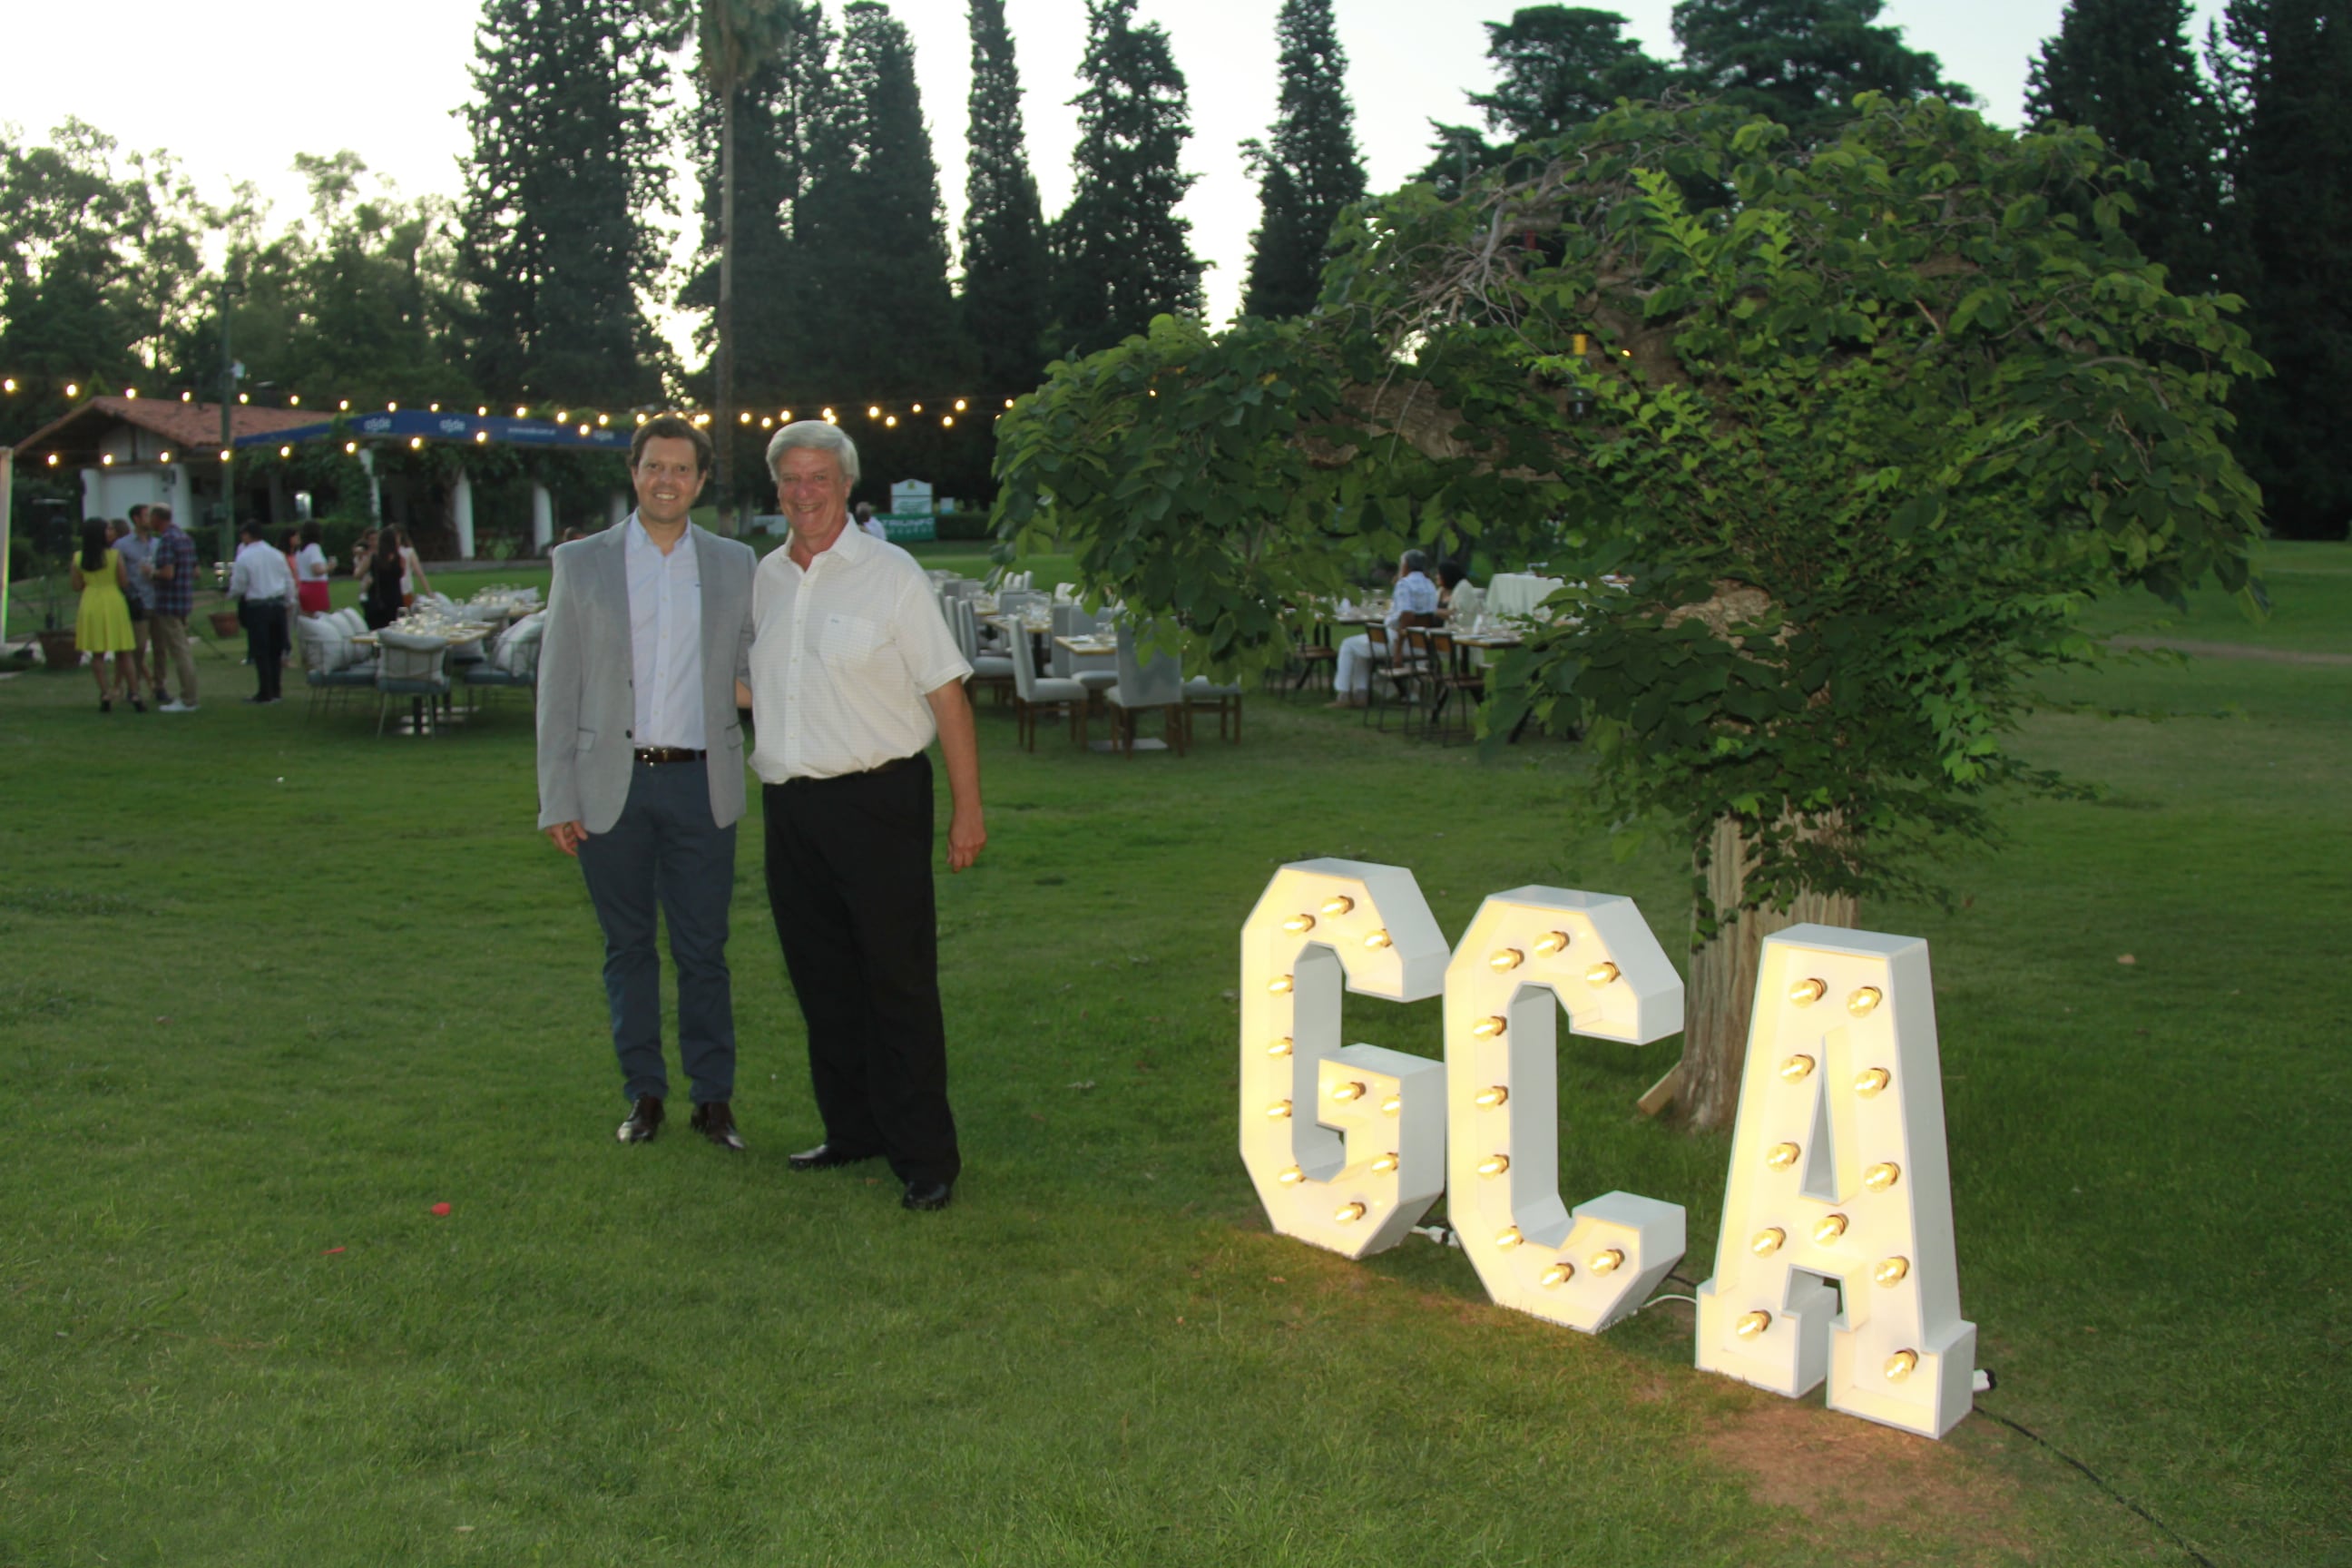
x: 848, y: 642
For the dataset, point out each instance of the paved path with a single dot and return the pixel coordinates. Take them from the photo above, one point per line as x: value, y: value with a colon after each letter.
x: 2238, y: 650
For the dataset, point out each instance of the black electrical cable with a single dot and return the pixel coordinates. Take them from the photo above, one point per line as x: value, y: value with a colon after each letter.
x: 2100, y: 1481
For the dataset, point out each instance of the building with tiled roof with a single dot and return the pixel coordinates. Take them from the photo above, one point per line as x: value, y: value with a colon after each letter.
x: 135, y: 451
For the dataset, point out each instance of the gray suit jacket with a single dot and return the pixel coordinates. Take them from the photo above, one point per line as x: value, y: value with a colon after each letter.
x: 586, y: 702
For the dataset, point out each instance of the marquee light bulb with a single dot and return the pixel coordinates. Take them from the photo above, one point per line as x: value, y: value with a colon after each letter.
x: 1601, y: 974
x: 1509, y: 1236
x: 1278, y: 1109
x: 1378, y: 939
x: 1752, y: 1324
x: 1551, y: 942
x: 1493, y: 1096
x: 1899, y: 1365
x: 1805, y: 992
x: 1494, y: 1165
x: 1867, y: 1084
x: 1506, y: 959
x: 1605, y: 1261
x: 1347, y: 1091
x: 1830, y: 1229
x: 1769, y: 1241
x: 1280, y: 1048
x: 1279, y: 985
x: 1291, y: 1176
x: 1559, y: 1274
x: 1298, y: 925
x: 1781, y: 1156
x: 1797, y: 1067
x: 1348, y: 1214
x: 1891, y: 1270
x: 1881, y: 1176
x: 1386, y: 1163
x: 1863, y: 999
x: 1487, y: 1029
x: 1393, y: 1105
x: 1339, y: 906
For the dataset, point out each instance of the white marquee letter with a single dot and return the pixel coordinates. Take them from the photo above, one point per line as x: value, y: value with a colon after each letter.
x: 1838, y: 1175
x: 1596, y: 954
x: 1347, y: 1146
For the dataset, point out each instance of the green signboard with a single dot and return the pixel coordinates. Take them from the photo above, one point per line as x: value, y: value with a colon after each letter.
x: 908, y: 527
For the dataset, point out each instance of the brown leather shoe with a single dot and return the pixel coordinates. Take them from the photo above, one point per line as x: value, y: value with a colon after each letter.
x: 715, y: 1122
x: 645, y: 1121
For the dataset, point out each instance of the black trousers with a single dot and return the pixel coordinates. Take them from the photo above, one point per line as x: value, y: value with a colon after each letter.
x: 849, y: 880
x: 265, y: 641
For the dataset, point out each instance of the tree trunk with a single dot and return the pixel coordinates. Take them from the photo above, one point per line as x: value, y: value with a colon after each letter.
x: 723, y: 361
x: 1722, y: 988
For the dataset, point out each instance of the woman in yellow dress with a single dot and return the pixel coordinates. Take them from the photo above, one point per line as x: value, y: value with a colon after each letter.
x: 104, y: 624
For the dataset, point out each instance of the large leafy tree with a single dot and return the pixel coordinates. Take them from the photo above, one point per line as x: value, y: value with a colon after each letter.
x: 2126, y: 70
x: 1801, y: 61
x: 1311, y: 171
x: 1860, y: 442
x: 1121, y: 255
x: 2285, y: 66
x: 1007, y: 270
x: 565, y: 172
x: 98, y: 267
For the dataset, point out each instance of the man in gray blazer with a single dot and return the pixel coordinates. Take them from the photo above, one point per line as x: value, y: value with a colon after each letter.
x: 640, y: 764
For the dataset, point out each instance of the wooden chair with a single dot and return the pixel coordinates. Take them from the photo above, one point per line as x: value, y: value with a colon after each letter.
x: 1454, y: 677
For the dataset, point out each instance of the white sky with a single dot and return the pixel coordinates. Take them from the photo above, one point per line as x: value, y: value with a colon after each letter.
x: 293, y: 75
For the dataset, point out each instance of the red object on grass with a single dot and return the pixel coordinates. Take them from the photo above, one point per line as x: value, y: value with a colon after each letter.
x: 331, y: 1251
x: 441, y: 1208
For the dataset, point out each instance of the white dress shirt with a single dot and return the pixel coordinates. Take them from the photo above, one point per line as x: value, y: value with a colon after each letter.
x: 1415, y: 595
x: 311, y: 561
x: 844, y: 657
x: 261, y: 572
x: 665, y: 639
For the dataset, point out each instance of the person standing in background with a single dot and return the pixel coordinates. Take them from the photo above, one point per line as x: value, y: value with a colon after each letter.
x: 394, y: 542
x: 103, y: 626
x: 261, y: 584
x: 870, y: 524
x: 380, y: 602
x: 173, y: 571
x: 138, y: 559
x: 310, y: 571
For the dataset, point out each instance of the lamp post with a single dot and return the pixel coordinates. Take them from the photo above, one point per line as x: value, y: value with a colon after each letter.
x: 231, y: 372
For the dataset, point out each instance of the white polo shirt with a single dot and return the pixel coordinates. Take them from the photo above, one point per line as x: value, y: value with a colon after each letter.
x: 843, y: 656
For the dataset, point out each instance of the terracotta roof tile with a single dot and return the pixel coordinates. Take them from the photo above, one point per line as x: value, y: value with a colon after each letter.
x: 195, y: 426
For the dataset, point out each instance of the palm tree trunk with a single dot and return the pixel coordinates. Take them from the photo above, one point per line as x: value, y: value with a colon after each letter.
x: 1721, y: 992
x: 723, y: 365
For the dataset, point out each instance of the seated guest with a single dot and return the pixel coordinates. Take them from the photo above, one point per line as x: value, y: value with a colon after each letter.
x: 1460, y: 598
x: 1415, y: 595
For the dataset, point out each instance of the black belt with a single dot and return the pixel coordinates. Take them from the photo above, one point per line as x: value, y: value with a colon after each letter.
x: 892, y: 766
x: 657, y: 756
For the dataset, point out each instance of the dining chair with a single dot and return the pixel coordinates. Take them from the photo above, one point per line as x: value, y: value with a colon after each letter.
x: 1141, y: 688
x: 414, y: 667
x: 1033, y: 692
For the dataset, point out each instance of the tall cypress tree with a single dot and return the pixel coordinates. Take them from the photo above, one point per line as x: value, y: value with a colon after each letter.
x: 2287, y: 69
x: 567, y: 162
x: 1556, y: 67
x: 1007, y: 273
x: 1312, y: 170
x: 2126, y: 70
x: 870, y: 231
x: 1121, y: 255
x: 1803, y: 61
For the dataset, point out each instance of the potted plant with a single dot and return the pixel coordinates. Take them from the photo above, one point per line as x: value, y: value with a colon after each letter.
x: 57, y: 648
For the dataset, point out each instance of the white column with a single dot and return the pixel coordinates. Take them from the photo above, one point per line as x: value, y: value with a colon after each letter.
x: 375, y: 485
x: 542, y: 518
x: 93, y: 495
x: 461, y: 509
x: 617, y: 507
x: 181, y: 494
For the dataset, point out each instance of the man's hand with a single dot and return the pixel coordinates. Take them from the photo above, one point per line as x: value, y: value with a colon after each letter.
x: 967, y: 836
x: 567, y: 836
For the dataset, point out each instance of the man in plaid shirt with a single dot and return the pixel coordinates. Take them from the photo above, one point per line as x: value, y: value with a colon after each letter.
x: 172, y: 572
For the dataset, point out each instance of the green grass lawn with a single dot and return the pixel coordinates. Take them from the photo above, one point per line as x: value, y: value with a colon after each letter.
x: 273, y: 988
x: 2310, y: 589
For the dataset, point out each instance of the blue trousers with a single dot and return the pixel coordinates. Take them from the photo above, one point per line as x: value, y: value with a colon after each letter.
x: 667, y: 854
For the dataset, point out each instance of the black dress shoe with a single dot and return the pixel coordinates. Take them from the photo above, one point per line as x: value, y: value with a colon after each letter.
x: 715, y: 1122
x: 927, y: 1196
x: 645, y: 1121
x: 825, y: 1157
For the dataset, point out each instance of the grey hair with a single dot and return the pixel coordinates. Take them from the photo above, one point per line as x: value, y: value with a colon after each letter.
x: 821, y: 435
x: 1416, y: 561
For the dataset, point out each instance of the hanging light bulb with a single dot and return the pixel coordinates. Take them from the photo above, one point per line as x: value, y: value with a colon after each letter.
x: 766, y: 423
x: 388, y: 408
x: 429, y: 408
x: 1491, y: 1096
x: 1805, y: 992
x: 521, y: 411
x: 1494, y: 1165
x: 344, y: 406
x: 53, y: 459
x: 1863, y: 999
x: 1767, y: 1241
x: 874, y: 411
x: 917, y: 408
x: 828, y: 417
x: 1891, y: 1270
x: 73, y: 389
x: 563, y: 416
x: 1752, y: 1324
x: 1797, y: 1067
x: 1348, y: 1214
x: 1830, y: 1229
x: 641, y: 418
x: 349, y: 446
x: 960, y: 405
x: 285, y: 451
x: 1880, y: 1177
x: 1377, y: 941
x: 106, y: 461
x: 1601, y: 974
x: 416, y: 443
x: 1900, y: 1365
x: 481, y: 437
x: 130, y: 392
x: 947, y: 421
x: 745, y: 416
x: 1867, y: 1084
x: 245, y: 397
x: 1781, y: 1156
x: 9, y: 385
x: 583, y: 428
x: 482, y: 410
x: 165, y: 458
x: 1345, y: 1092
x: 187, y: 397
x: 1552, y: 941
x: 1606, y: 1261
x: 784, y: 417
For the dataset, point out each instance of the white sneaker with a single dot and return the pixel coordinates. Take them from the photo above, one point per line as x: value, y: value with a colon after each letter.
x: 176, y: 706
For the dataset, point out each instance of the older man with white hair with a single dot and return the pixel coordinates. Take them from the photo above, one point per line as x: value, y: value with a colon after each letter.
x: 853, y: 672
